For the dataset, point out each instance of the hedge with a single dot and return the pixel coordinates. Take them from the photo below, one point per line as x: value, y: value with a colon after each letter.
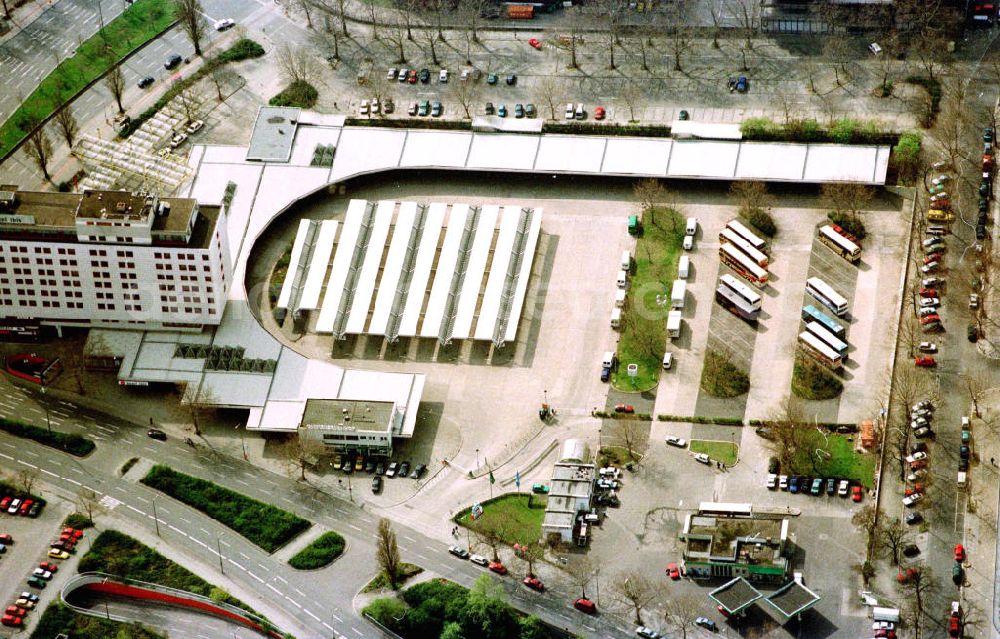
x: 321, y: 552
x: 7, y: 488
x: 242, y: 50
x: 263, y: 524
x: 78, y: 520
x: 843, y: 131
x: 76, y: 445
x: 297, y: 94
x: 696, y: 419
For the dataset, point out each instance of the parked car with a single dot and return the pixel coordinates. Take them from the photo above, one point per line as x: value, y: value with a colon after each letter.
x: 772, y: 481
x: 479, y: 560
x: 511, y: 79
x: 443, y: 75
x: 927, y: 347
x: 782, y: 482
x: 424, y: 109
x: 6, y: 539
x: 491, y: 78
x: 424, y: 76
x: 35, y: 582
x: 498, y: 568
x: 599, y: 113
x: 436, y: 109
x: 41, y: 573
x: 225, y: 23
x: 146, y: 82
x: 703, y: 458
x: 845, y: 485
x: 924, y: 431
x: 706, y: 623
x: 793, y: 484
x: 173, y: 61
x: 673, y: 571
x: 459, y: 552
x: 911, y: 550
x: 419, y: 471
x: 518, y: 110
x: 911, y: 500
x: 530, y: 111
x: 624, y: 408
x: 489, y: 109
x: 930, y: 301
x: 391, y: 471
x: 534, y: 583
x: 502, y: 110
x: 540, y: 489
x: 913, y: 519
x: 817, y: 487
x: 55, y: 553
x: 647, y: 633
x: 856, y: 493
x: 535, y: 42
x: 377, y: 484
x: 391, y: 74
x: 585, y: 605
x: 959, y: 552
x: 831, y: 487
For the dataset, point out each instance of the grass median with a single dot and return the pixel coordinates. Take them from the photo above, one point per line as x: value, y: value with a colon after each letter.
x: 76, y: 445
x: 321, y: 552
x: 136, y: 26
x: 725, y: 452
x: 515, y: 518
x: 644, y: 318
x: 263, y: 524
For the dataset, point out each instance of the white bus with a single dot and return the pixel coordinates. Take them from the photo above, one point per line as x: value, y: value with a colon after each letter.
x: 840, y: 244
x: 828, y: 338
x: 747, y: 235
x: 825, y: 294
x: 816, y: 349
x: 751, y: 297
x: 743, y: 265
x: 735, y: 304
x: 730, y: 236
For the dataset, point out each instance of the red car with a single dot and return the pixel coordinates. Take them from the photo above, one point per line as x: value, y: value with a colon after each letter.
x: 929, y: 319
x: 917, y: 465
x: 535, y: 42
x: 534, y: 583
x: 722, y: 611
x: 954, y: 626
x: 6, y: 539
x: 624, y: 408
x: 673, y: 571
x: 856, y: 493
x: 5, y: 502
x: 886, y: 634
x: 15, y: 611
x: 928, y: 292
x: 12, y: 621
x: 933, y: 257
x: 76, y: 533
x: 940, y: 205
x: 25, y: 507
x: 412, y: 77
x: 498, y: 568
x: 48, y: 565
x: 959, y: 552
x: 926, y: 362
x: 844, y: 233
x: 904, y: 577
x: 916, y: 488
x: 599, y: 113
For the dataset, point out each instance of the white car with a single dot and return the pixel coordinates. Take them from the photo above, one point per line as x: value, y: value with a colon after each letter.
x: 676, y: 441
x: 924, y: 311
x: 224, y: 24
x: 941, y: 179
x: 932, y: 242
x: 42, y: 573
x: 479, y: 560
x: 917, y: 456
x: 930, y: 301
x: 772, y: 481
x: 647, y: 633
x: 883, y: 625
x: 363, y: 109
x: 570, y: 111
x: 974, y: 301
x: 910, y: 500
x: 927, y: 347
x: 443, y: 75
x: 916, y: 475
x: 782, y: 482
x: 689, y: 243
x: 391, y: 74
x: 875, y: 48
x: 934, y: 248
x: 703, y: 458
x: 843, y: 488
x: 375, y: 106
x: 919, y: 422
x: 929, y: 268
x: 194, y: 126
x: 937, y: 197
x: 923, y: 404
x: 923, y: 412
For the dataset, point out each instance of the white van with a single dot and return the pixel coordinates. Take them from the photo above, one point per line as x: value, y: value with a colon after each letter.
x: 570, y: 111
x: 668, y: 360
x: 608, y: 361
x: 688, y: 242
x: 622, y: 279
x: 616, y: 318
x: 885, y: 614
x: 626, y: 261
x: 620, y: 298
x: 692, y: 226
x: 683, y: 267
x: 963, y: 481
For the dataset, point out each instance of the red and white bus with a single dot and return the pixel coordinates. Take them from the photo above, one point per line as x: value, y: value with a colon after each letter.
x: 743, y: 265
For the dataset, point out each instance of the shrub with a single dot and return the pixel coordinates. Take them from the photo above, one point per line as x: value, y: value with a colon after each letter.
x: 849, y: 223
x: 297, y: 94
x: 763, y: 222
x: 759, y: 128
x: 697, y: 419
x: 127, y: 466
x: 321, y: 552
x: 8, y: 488
x: 811, y: 380
x: 76, y: 445
x: 65, y: 187
x: 906, y: 154
x: 59, y: 620
x: 263, y: 524
x: 842, y: 131
x: 78, y: 521
x: 933, y: 88
x: 804, y: 131
x: 242, y: 49
x: 721, y: 378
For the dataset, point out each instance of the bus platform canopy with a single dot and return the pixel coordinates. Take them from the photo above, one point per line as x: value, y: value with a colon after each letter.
x: 792, y: 599
x: 735, y: 596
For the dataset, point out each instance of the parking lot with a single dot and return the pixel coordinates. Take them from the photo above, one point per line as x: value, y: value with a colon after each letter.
x: 31, y: 543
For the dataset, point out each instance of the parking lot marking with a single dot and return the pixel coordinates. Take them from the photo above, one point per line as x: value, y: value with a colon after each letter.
x: 238, y: 565
x: 357, y: 631
x: 281, y: 579
x: 29, y: 452
x: 291, y: 600
x: 244, y: 555
x: 339, y: 620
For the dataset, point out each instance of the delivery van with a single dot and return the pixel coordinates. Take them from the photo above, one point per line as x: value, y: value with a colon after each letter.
x: 626, y: 261
x: 683, y: 267
x: 616, y: 318
x: 622, y: 279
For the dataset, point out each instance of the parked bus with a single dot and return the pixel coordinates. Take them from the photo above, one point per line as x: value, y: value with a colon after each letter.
x: 825, y: 294
x: 735, y: 304
x: 730, y: 236
x: 743, y: 265
x: 751, y: 297
x: 741, y: 230
x: 828, y: 338
x: 812, y: 314
x: 816, y: 349
x: 840, y: 245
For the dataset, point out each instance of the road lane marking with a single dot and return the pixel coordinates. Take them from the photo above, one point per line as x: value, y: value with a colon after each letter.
x: 133, y: 508
x: 6, y: 456
x: 281, y: 579
x: 339, y: 620
x: 49, y: 472
x: 21, y: 461
x: 277, y: 591
x: 327, y: 626
x: 354, y: 527
x: 360, y: 634
x: 306, y: 610
x: 240, y: 566
x: 32, y: 453
x: 297, y: 604
x: 72, y: 481
x: 244, y: 555
x: 260, y: 580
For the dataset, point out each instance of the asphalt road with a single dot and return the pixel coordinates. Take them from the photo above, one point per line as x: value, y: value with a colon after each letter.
x: 317, y: 605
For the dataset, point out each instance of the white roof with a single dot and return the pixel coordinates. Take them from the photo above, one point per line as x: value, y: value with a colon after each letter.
x: 513, y: 315
x: 707, y: 130
x: 367, y: 150
x: 286, y: 287
x: 703, y: 159
x: 365, y: 285
x: 341, y: 265
x: 402, y: 232
x: 447, y: 260
x: 436, y: 148
x: 319, y: 264
x: 475, y: 267
x: 426, y: 252
x: 636, y: 156
x: 763, y: 161
x: 490, y: 306
x: 571, y: 153
x: 503, y: 151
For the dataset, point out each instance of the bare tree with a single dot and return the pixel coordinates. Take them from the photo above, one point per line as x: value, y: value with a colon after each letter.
x: 680, y: 36
x: 439, y: 8
x: 300, y: 452
x: 747, y: 14
x: 788, y: 429
x: 921, y: 585
x: 551, y: 91
x: 677, y: 613
x: 25, y: 479
x: 67, y: 124
x: 635, y: 591
x: 574, y: 20
x: 467, y: 94
x: 977, y: 380
x: 6, y: 9
x: 305, y: 6
x: 632, y: 95
x: 115, y: 81
x: 895, y: 535
x: 530, y: 555
x: 751, y: 196
x: 190, y: 14
x: 837, y: 49
x: 867, y: 520
x: 387, y: 552
x: 297, y: 64
x: 190, y: 103
x: 395, y: 33
x: 71, y: 356
x: 843, y: 197
x: 491, y: 532
x: 580, y: 571
x: 336, y: 9
x: 89, y: 501
x: 39, y: 149
x: 221, y: 76
x: 199, y: 402
x: 429, y: 36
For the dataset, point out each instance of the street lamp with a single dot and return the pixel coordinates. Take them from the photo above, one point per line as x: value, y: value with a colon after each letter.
x: 156, y: 519
x: 218, y: 545
x: 45, y: 406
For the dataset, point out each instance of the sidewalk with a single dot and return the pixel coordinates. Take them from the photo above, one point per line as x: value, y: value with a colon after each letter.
x: 24, y: 15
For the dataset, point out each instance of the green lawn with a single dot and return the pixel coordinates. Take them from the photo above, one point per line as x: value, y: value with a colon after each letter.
x: 321, y: 552
x: 725, y: 452
x: 379, y: 582
x: 844, y: 461
x: 511, y: 516
x: 812, y: 381
x: 143, y: 21
x: 72, y: 443
x: 644, y: 322
x: 263, y: 524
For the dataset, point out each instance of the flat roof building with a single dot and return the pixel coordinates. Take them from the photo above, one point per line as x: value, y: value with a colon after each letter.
x: 738, y: 545
x: 112, y: 259
x: 570, y: 492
